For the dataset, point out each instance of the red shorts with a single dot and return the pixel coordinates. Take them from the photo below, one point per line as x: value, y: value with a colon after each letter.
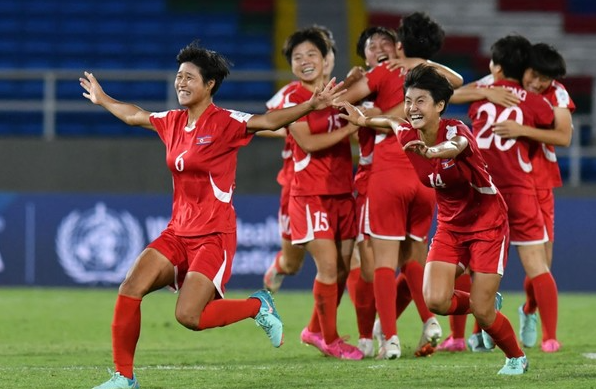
x: 361, y: 201
x: 210, y: 255
x: 322, y: 217
x: 546, y: 199
x: 526, y: 224
x: 482, y: 251
x: 283, y: 216
x: 399, y: 205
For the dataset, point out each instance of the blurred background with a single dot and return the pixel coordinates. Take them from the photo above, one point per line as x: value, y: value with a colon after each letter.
x: 81, y: 193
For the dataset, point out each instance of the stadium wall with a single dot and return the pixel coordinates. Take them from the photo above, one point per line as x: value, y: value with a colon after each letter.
x: 91, y: 239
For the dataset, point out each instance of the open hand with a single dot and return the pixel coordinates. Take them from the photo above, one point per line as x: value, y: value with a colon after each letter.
x: 324, y: 98
x: 94, y: 92
x: 416, y: 146
x: 508, y: 129
x: 501, y: 96
x: 354, y: 115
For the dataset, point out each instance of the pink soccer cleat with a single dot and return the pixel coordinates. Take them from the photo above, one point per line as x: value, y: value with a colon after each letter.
x: 551, y: 346
x: 313, y: 339
x: 342, y: 350
x: 452, y: 344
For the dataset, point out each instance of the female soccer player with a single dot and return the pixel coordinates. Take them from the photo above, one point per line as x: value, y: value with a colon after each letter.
x: 321, y: 207
x: 472, y: 228
x: 398, y: 212
x: 194, y: 253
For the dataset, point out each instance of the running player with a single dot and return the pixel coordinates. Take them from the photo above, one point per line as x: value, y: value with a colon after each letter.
x: 472, y: 229
x: 398, y: 212
x: 194, y: 253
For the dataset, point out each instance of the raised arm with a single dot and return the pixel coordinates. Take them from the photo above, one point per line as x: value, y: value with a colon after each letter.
x: 356, y: 117
x: 560, y: 135
x: 128, y: 113
x: 278, y: 118
x: 449, y: 149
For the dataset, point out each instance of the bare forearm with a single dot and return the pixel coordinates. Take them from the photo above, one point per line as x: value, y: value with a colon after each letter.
x: 551, y: 137
x: 130, y: 114
x: 312, y: 143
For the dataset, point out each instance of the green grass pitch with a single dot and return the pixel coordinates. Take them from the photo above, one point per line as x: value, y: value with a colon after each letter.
x: 60, y: 338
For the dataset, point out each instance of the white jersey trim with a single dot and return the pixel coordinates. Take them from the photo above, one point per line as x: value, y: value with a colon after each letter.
x: 224, y: 197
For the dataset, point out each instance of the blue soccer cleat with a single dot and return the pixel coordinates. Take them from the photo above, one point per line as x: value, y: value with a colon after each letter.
x: 527, y: 327
x: 268, y: 318
x: 514, y: 366
x: 118, y: 381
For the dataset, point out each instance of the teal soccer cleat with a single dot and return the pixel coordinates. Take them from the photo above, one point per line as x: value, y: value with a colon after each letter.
x: 514, y: 366
x: 118, y: 381
x: 487, y: 340
x: 527, y: 327
x: 268, y: 318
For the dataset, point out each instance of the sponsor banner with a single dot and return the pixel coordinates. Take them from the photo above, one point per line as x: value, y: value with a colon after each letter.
x: 93, y: 239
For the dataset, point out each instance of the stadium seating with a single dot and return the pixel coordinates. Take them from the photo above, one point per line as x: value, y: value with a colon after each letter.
x: 570, y: 25
x: 123, y: 34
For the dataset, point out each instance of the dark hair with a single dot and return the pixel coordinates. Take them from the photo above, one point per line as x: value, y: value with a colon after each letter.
x: 512, y: 54
x: 420, y: 36
x: 426, y: 77
x: 212, y: 65
x: 546, y: 60
x: 368, y: 33
x: 327, y: 34
x: 310, y: 34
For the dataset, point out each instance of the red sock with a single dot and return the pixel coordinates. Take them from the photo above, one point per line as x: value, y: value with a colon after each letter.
x: 545, y: 290
x: 414, y: 273
x: 126, y: 328
x: 458, y: 322
x: 530, y: 305
x: 403, y: 294
x: 326, y: 305
x: 503, y: 335
x: 460, y: 303
x: 221, y: 312
x: 385, y: 295
x: 314, y: 325
x: 476, y: 329
x: 353, y: 278
x: 365, y: 308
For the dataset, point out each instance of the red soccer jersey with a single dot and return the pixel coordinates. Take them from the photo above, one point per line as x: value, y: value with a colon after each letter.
x: 285, y: 174
x: 366, y: 143
x: 389, y: 89
x: 509, y: 160
x: 546, y: 169
x: 325, y: 172
x: 467, y: 199
x: 203, y: 163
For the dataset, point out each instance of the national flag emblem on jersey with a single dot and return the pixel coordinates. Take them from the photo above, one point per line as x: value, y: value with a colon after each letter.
x: 447, y: 163
x: 204, y: 140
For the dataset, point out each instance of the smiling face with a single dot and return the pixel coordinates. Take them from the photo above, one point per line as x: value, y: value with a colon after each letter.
x: 190, y: 87
x: 421, y: 110
x: 308, y: 63
x: 536, y: 82
x: 379, y: 48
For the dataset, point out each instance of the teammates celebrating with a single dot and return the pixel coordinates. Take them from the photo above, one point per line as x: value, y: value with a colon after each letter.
x: 492, y: 185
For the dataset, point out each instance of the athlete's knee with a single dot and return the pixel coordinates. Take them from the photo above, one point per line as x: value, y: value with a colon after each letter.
x: 437, y: 303
x: 187, y: 319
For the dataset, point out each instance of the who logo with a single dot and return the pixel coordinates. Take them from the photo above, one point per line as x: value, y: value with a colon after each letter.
x: 98, y: 245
